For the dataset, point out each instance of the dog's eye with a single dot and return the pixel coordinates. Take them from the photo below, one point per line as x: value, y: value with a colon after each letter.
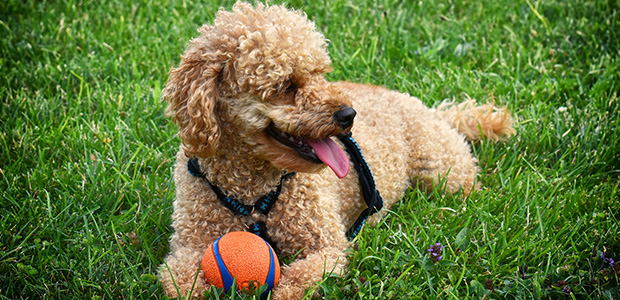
x: 285, y: 93
x: 291, y: 87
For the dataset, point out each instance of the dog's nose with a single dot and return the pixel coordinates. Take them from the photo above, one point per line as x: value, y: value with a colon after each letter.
x: 345, y: 116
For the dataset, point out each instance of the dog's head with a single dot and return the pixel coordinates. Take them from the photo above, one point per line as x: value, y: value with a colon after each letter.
x: 255, y: 80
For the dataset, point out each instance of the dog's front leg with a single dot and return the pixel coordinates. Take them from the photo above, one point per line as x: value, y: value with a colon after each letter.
x: 304, y: 273
x: 180, y: 275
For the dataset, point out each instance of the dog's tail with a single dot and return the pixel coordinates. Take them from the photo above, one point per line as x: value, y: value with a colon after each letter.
x: 476, y: 121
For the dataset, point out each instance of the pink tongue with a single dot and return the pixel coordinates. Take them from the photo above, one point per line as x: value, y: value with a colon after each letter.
x: 332, y: 155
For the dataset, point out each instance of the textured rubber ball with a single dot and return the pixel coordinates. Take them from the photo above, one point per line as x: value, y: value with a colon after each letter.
x: 242, y: 257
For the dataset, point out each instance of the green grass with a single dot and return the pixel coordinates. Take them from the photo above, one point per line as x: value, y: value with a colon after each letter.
x: 86, y: 152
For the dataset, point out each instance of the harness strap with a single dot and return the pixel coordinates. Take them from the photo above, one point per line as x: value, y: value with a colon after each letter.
x: 367, y: 184
x: 262, y: 205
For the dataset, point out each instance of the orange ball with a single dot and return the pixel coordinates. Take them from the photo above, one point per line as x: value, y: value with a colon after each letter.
x: 242, y: 257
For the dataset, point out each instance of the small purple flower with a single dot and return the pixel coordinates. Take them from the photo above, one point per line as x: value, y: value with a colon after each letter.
x: 607, y: 260
x: 435, y: 252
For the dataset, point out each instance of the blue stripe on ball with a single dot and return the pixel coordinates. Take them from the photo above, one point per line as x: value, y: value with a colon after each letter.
x: 272, y: 271
x: 226, y: 277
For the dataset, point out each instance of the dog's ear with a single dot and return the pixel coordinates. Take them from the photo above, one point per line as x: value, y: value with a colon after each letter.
x: 192, y: 93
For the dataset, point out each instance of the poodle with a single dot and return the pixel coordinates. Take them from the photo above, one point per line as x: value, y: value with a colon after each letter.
x: 257, y: 117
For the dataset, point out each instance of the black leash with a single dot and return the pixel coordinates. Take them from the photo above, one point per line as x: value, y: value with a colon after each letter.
x: 367, y: 184
x: 262, y: 205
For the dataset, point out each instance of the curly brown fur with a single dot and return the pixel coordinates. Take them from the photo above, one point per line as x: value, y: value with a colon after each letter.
x: 259, y: 70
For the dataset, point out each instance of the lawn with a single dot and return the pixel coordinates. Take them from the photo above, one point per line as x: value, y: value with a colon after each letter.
x: 86, y: 151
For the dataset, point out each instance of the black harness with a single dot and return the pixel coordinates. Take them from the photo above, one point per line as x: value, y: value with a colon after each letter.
x: 367, y: 184
x: 265, y: 203
x: 262, y: 205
